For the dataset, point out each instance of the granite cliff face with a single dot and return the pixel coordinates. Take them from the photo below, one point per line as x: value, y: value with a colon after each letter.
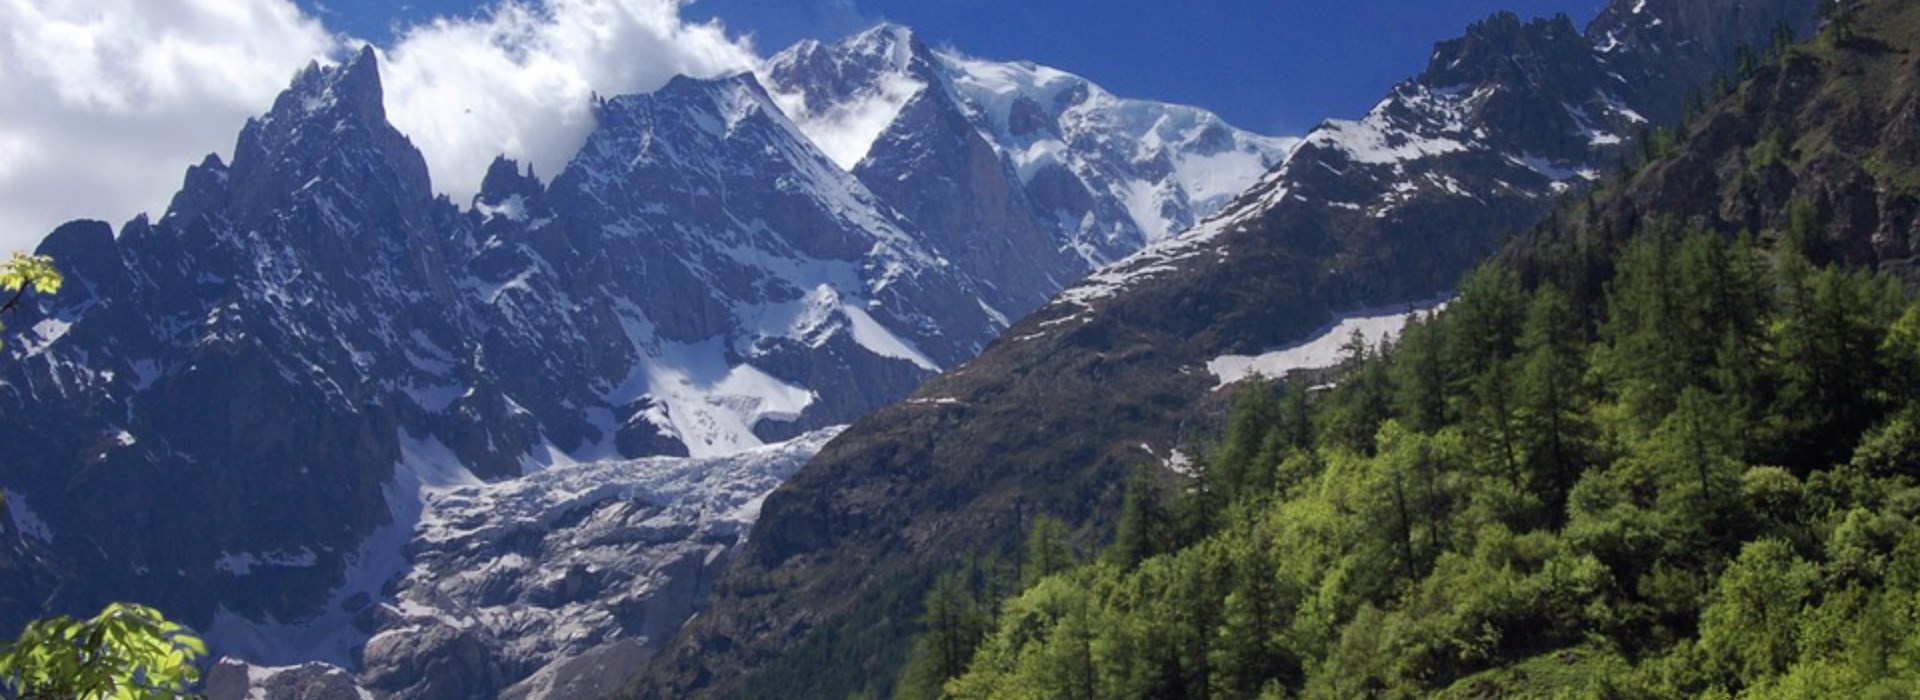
x: 1385, y: 210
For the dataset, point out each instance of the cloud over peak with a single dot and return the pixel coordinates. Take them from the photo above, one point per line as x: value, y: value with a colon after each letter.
x: 109, y: 100
x: 519, y: 79
x: 113, y: 99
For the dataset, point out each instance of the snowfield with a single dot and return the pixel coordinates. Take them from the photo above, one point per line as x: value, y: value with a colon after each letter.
x: 1326, y: 349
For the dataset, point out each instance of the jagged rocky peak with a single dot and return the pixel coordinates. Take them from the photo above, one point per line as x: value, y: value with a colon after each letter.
x: 510, y: 193
x: 1690, y: 27
x: 327, y: 143
x: 1556, y: 99
x: 843, y: 95
x: 734, y: 98
x: 1535, y: 104
x: 1503, y: 48
x: 267, y: 330
x: 346, y: 95
x: 1532, y: 89
x: 1661, y: 48
x: 672, y: 143
x: 830, y: 73
x: 505, y: 178
x: 205, y: 187
x: 726, y: 242
x: 86, y: 250
x: 354, y: 86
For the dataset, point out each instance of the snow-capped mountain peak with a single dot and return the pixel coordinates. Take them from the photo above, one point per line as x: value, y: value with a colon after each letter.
x: 1169, y: 165
x: 1099, y: 175
x: 843, y: 96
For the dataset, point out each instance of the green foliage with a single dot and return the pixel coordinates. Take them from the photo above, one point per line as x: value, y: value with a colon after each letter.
x: 1554, y: 436
x: 1236, y: 467
x: 1703, y: 483
x: 1750, y: 631
x: 127, y: 651
x: 34, y: 272
x: 1420, y: 372
x: 1770, y: 151
x: 23, y: 273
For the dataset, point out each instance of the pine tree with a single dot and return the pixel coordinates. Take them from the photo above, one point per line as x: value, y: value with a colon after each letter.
x: 955, y: 624
x: 1255, y: 413
x: 1298, y: 417
x: 1364, y: 397
x: 1640, y: 357
x: 1247, y: 653
x: 1550, y: 393
x: 1487, y: 320
x: 1145, y: 524
x: 1048, y: 551
x: 1828, y: 346
x: 1420, y: 375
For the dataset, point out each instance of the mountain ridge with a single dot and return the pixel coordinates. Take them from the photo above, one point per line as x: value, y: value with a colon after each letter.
x: 277, y: 376
x: 1383, y: 210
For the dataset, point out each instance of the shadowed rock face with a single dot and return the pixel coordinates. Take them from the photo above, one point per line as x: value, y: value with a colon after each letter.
x: 222, y: 383
x: 1385, y: 210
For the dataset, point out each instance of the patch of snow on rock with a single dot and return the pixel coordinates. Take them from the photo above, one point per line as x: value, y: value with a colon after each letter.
x: 1325, y: 349
x: 24, y: 520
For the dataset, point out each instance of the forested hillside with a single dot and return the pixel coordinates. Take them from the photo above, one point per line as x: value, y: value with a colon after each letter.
x: 1666, y: 446
x: 1708, y: 485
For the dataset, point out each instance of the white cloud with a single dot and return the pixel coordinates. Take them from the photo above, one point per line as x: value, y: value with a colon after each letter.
x: 108, y: 101
x: 519, y: 81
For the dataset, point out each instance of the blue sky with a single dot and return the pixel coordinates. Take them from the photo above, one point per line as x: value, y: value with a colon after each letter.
x: 1277, y: 66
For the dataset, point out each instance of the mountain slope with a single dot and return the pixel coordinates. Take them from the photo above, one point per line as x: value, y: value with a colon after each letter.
x: 1381, y: 211
x: 1110, y: 175
x: 1648, y: 473
x: 1812, y: 148
x: 712, y: 280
